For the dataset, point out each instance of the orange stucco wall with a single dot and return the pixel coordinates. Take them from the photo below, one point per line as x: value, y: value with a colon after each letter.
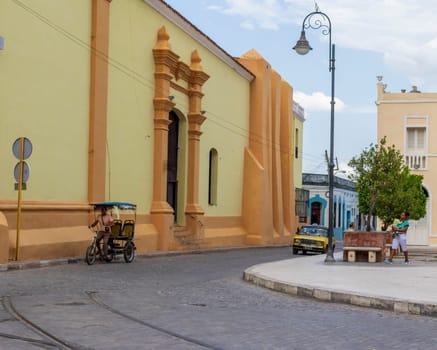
x: 268, y: 180
x: 98, y: 100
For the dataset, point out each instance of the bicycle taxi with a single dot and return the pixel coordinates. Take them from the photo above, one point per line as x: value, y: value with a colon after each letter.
x: 121, y: 233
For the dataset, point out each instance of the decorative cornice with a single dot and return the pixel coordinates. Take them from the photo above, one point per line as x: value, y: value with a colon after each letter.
x: 182, y: 71
x: 162, y: 52
x: 405, y: 101
x: 198, y: 77
x: 196, y: 118
x: 178, y: 87
x: 163, y: 104
x: 165, y: 57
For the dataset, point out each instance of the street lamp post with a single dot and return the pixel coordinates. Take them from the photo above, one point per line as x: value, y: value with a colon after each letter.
x: 319, y: 20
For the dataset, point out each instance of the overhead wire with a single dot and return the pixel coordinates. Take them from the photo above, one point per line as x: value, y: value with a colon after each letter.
x: 128, y: 71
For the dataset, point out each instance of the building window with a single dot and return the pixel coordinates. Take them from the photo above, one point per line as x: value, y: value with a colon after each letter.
x: 213, y: 177
x: 415, y: 150
x: 416, y: 140
x: 301, y: 206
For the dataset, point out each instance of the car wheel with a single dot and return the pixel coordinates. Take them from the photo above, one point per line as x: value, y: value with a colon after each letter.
x: 304, y: 252
x: 295, y: 251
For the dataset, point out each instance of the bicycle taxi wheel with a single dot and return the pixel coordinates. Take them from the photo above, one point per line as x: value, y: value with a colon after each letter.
x: 91, y: 254
x: 129, y: 252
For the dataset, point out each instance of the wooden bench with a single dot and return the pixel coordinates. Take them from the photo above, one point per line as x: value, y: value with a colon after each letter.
x: 371, y: 253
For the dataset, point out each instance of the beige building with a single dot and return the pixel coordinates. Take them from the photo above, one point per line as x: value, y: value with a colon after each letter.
x: 128, y: 101
x: 409, y: 119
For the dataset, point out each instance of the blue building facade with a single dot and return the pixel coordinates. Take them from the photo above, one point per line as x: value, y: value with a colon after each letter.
x: 345, y: 202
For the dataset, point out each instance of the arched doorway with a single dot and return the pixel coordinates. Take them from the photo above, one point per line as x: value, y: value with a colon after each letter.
x: 418, y: 233
x: 315, y: 212
x: 172, y: 162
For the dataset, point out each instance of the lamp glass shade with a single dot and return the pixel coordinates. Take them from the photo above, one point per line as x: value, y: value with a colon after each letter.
x: 302, y: 46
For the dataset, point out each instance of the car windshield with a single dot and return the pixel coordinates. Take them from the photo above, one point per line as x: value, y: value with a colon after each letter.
x: 314, y: 231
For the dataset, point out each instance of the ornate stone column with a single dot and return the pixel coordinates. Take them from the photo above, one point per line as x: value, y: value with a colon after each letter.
x: 193, y: 211
x: 161, y: 211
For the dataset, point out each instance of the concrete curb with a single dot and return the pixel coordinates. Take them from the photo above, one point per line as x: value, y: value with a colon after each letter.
x: 380, y: 303
x: 21, y: 265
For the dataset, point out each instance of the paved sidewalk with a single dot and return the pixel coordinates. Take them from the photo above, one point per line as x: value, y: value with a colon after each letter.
x: 397, y: 287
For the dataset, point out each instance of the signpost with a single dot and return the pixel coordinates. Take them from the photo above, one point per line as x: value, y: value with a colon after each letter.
x: 22, y: 149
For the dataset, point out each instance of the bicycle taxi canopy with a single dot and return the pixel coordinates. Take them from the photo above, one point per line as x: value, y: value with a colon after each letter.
x: 119, y: 205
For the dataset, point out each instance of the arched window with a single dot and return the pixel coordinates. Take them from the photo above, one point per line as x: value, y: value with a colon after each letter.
x: 296, y: 144
x: 213, y: 177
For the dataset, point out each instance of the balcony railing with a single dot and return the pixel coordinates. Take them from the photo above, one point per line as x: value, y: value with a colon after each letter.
x: 416, y: 161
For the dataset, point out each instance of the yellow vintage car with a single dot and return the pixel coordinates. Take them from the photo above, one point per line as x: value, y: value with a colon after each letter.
x: 312, y: 238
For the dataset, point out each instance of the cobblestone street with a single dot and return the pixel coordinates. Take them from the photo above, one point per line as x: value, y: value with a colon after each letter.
x: 189, y: 301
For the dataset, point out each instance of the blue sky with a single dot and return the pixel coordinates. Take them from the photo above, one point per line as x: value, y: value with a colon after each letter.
x: 396, y: 39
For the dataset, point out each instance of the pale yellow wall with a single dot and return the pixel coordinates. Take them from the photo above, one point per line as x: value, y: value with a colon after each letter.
x: 392, y: 110
x: 44, y: 94
x: 226, y: 128
x: 130, y: 103
x: 133, y: 28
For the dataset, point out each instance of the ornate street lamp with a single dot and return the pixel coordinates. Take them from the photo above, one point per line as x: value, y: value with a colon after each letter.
x: 319, y: 20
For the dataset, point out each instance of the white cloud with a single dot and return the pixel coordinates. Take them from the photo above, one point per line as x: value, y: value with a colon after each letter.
x: 215, y: 8
x: 247, y: 25
x: 317, y: 102
x: 403, y: 31
x: 264, y: 14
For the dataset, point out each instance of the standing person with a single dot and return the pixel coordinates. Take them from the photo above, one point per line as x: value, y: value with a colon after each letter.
x: 105, y: 221
x: 400, y: 238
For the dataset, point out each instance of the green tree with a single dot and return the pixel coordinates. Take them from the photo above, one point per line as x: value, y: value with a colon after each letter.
x: 385, y: 186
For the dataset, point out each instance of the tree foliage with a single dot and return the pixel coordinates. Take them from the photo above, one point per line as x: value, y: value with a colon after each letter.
x: 385, y: 185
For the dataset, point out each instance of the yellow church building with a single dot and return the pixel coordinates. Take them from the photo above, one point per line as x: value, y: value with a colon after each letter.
x: 409, y: 119
x: 129, y: 101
